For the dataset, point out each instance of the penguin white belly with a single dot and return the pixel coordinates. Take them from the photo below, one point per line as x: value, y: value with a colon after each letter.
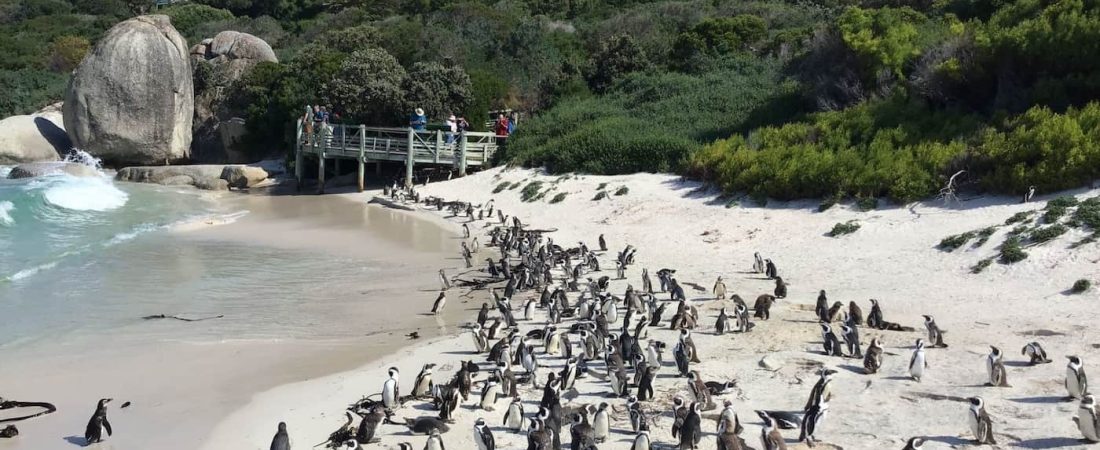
x: 916, y: 369
x: 480, y: 442
x: 515, y: 418
x: 975, y: 427
x: 641, y: 443
x: 529, y: 311
x: 433, y: 444
x: 389, y: 394
x: 1087, y: 423
x: 600, y: 427
x: 553, y: 346
x: 1073, y: 384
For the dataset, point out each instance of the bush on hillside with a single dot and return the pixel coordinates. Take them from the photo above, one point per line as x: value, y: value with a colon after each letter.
x: 1011, y: 252
x: 1045, y: 234
x: 953, y: 242
x: 843, y: 228
x: 188, y: 17
x: 368, y: 88
x: 560, y: 197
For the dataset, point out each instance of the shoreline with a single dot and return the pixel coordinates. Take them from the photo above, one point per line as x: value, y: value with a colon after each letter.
x: 892, y: 258
x: 198, y: 382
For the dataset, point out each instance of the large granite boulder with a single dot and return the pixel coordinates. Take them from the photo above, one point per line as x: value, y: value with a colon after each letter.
x: 131, y: 101
x: 219, y: 62
x: 33, y: 138
x: 39, y: 169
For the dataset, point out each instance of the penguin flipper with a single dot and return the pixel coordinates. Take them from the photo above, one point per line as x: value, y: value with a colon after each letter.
x: 107, y: 426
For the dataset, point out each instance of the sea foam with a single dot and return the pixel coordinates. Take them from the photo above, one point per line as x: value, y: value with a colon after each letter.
x: 85, y: 194
x: 6, y: 208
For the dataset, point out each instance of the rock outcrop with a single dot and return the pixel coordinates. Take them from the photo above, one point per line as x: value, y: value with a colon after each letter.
x: 223, y: 60
x: 38, y: 169
x: 204, y: 176
x: 131, y: 100
x: 33, y: 138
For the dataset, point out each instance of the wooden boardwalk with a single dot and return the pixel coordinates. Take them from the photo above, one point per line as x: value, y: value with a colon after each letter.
x: 365, y: 144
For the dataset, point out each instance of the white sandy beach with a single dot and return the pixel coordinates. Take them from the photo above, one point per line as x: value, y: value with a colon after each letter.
x: 893, y: 258
x: 183, y: 378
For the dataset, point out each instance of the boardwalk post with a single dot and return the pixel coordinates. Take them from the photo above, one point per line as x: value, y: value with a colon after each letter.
x: 462, y: 155
x: 438, y: 144
x: 321, y: 172
x: 409, y: 156
x: 298, y: 156
x: 362, y: 153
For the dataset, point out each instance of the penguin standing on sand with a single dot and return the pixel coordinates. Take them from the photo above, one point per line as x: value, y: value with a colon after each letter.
x: 1077, y: 383
x: 440, y: 302
x: 513, y: 419
x: 529, y: 310
x: 851, y: 340
x: 638, y: 420
x: 770, y: 269
x: 443, y: 280
x: 603, y: 244
x: 601, y: 423
x: 855, y: 314
x: 422, y: 386
x: 641, y: 441
x: 645, y: 386
x: 741, y: 312
x: 391, y: 390
x: 719, y: 289
x: 811, y: 422
x: 914, y: 443
x: 935, y: 334
x: 757, y: 263
x: 1035, y: 352
x: 435, y: 441
x: 723, y: 323
x: 281, y: 441
x: 581, y: 433
x: 368, y: 427
x: 980, y: 423
x: 872, y: 361
x: 692, y: 430
x: 917, y: 363
x: 995, y: 368
x: 1086, y: 420
x: 830, y: 342
x: 98, y: 424
x: 822, y: 307
x: 780, y: 288
x: 770, y: 438
x: 483, y: 435
x: 822, y: 390
x: 489, y: 395
x: 874, y: 319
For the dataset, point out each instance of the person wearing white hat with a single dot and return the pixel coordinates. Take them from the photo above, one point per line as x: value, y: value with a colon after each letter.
x: 418, y: 121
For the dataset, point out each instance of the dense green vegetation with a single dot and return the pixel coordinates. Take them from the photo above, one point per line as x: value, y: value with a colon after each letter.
x: 771, y: 98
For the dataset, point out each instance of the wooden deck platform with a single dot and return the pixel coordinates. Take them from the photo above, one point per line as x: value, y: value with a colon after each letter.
x: 365, y: 144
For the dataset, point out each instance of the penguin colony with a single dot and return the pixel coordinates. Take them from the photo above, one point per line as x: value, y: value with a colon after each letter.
x: 522, y: 377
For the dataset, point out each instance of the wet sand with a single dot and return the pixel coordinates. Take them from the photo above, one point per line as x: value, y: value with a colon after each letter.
x: 181, y: 386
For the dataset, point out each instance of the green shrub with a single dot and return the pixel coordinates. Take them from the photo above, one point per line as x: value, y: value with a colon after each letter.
x: 843, y: 228
x: 1087, y: 214
x: 1065, y: 201
x: 501, y: 187
x: 600, y: 196
x: 1019, y: 229
x: 1053, y: 213
x: 867, y: 203
x: 983, y: 235
x: 187, y: 18
x: 1080, y: 286
x: 558, y: 198
x: 601, y: 187
x: 1046, y: 234
x: 981, y: 265
x: 828, y: 202
x: 1019, y: 217
x: 1011, y: 252
x: 955, y: 241
x: 622, y: 191
x: 530, y: 192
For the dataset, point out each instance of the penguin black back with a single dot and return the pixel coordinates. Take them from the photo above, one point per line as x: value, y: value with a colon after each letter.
x: 98, y: 423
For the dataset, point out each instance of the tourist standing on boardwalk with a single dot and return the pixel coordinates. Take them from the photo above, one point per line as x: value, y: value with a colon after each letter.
x: 418, y: 121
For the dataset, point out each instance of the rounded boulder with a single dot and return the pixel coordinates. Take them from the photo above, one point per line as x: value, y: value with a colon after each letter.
x: 131, y: 100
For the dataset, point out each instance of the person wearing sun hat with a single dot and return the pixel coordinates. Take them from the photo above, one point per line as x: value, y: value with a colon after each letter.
x: 418, y: 121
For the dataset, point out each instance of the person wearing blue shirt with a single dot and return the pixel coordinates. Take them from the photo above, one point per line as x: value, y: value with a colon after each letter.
x: 418, y: 121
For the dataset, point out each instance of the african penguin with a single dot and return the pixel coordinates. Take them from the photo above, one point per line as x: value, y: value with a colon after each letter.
x: 1086, y: 420
x: 483, y: 435
x: 995, y: 368
x: 1077, y: 383
x: 98, y: 424
x: 980, y: 424
x: 917, y: 363
x: 1035, y: 353
x: 391, y: 391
